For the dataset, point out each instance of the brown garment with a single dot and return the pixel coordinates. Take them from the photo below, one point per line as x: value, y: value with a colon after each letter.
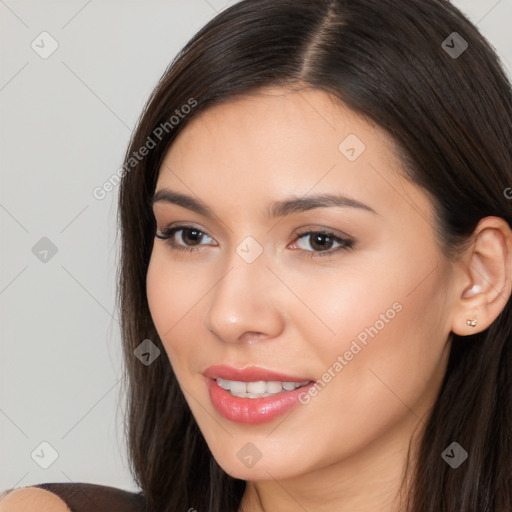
x: 84, y: 497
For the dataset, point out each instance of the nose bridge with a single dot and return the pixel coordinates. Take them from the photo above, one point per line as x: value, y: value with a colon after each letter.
x: 242, y: 300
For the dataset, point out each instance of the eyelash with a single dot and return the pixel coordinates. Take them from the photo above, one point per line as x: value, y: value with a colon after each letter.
x: 345, y: 243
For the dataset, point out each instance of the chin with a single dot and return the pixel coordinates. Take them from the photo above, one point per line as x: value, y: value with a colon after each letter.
x: 240, y: 464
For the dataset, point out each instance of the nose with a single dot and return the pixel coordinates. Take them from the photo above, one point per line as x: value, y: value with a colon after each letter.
x: 244, y: 305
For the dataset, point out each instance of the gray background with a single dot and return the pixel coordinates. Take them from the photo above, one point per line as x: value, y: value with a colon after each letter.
x: 65, y: 122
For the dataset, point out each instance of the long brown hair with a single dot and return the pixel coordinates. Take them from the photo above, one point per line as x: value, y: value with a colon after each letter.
x: 447, y: 103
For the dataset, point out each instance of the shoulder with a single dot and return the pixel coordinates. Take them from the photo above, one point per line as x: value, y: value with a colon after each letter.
x: 27, y: 499
x: 71, y: 497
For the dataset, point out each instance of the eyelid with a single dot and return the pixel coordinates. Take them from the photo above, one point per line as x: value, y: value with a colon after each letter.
x: 317, y: 228
x: 306, y: 227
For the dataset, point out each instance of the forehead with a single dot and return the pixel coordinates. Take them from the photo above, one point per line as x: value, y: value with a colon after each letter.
x: 280, y: 142
x: 282, y: 123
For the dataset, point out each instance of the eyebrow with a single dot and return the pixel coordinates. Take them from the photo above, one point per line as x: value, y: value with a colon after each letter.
x: 277, y: 209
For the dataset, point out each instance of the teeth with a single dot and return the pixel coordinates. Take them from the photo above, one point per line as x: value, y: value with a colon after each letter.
x: 274, y: 387
x: 238, y: 387
x: 257, y: 389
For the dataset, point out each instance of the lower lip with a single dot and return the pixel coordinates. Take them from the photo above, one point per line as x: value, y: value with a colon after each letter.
x: 253, y: 410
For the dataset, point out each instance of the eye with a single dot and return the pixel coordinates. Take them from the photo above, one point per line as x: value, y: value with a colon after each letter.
x: 189, y: 233
x: 321, y: 242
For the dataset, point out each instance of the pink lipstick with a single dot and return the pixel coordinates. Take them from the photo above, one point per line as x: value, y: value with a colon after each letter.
x: 253, y: 395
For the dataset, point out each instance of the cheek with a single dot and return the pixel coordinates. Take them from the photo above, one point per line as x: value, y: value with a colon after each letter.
x: 383, y: 364
x: 384, y: 326
x: 339, y: 305
x: 171, y: 298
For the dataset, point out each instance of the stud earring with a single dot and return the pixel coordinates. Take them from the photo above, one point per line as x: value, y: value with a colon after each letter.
x: 471, y: 323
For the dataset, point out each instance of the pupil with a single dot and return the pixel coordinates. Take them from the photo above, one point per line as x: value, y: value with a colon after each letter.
x: 196, y: 237
x: 316, y: 239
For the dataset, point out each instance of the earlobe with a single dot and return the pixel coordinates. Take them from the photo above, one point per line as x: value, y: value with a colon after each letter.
x: 487, y: 268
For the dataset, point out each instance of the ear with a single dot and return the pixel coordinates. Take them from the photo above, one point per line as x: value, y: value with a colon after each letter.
x: 485, y: 282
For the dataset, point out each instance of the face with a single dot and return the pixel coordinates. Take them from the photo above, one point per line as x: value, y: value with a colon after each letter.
x: 348, y: 299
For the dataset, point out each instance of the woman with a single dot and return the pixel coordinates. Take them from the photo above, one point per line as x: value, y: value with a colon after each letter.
x: 316, y: 265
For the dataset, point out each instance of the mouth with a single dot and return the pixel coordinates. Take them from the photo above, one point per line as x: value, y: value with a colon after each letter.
x: 253, y: 395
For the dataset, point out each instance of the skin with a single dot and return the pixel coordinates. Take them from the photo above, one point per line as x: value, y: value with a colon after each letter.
x: 346, y: 449
x: 32, y: 498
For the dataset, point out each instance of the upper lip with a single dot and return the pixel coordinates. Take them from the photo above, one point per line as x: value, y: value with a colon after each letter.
x: 249, y: 374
